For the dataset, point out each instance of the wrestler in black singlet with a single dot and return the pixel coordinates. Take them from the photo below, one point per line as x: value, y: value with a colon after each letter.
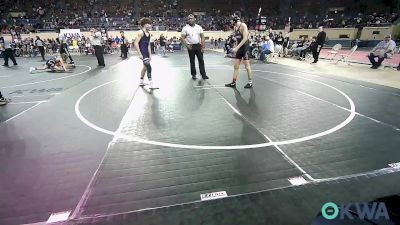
x: 243, y: 52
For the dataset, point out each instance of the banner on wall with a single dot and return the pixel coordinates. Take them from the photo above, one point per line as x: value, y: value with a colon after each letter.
x: 70, y: 33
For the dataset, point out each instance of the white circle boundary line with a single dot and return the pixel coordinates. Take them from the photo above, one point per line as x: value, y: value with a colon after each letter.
x: 117, y: 134
x: 83, y: 119
x: 44, y: 81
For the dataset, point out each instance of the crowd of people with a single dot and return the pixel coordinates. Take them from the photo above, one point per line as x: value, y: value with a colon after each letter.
x: 260, y: 47
x: 263, y: 46
x: 167, y: 15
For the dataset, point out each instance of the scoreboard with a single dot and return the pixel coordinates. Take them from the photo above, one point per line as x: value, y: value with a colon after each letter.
x: 261, y: 23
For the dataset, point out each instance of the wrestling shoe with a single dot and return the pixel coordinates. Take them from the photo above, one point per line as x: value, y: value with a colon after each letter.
x: 4, y: 101
x: 249, y: 85
x: 232, y: 84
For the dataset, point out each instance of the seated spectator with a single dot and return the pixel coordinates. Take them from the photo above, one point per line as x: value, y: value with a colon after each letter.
x: 267, y: 48
x: 307, y: 47
x: 382, y: 50
x: 297, y: 47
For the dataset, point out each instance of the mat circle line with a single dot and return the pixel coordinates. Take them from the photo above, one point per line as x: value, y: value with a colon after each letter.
x: 117, y: 134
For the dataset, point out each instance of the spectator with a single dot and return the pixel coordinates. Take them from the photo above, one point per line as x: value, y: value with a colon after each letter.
x: 320, y: 41
x: 229, y: 42
x: 124, y: 48
x: 163, y: 44
x: 308, y: 46
x: 267, y: 48
x: 152, y: 45
x: 279, y: 43
x: 299, y: 46
x: 382, y: 51
x: 286, y: 44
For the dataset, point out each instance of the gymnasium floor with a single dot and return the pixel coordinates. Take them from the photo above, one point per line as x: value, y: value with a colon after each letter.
x: 94, y: 143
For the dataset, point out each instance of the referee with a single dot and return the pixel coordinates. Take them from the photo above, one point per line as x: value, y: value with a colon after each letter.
x: 193, y: 38
x: 5, y: 46
x: 98, y: 47
x: 40, y: 45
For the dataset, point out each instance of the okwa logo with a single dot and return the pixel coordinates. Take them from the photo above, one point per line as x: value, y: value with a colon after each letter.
x: 370, y: 211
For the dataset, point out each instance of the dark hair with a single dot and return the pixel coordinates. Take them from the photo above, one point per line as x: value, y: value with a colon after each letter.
x: 144, y: 21
x: 238, y: 14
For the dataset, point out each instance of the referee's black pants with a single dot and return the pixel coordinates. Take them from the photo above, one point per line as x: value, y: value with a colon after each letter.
x: 124, y: 51
x: 196, y: 51
x: 41, y: 50
x: 9, y: 54
x: 316, y: 50
x: 99, y: 52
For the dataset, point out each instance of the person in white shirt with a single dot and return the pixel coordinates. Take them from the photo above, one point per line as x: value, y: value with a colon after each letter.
x: 5, y: 47
x: 193, y: 38
x: 382, y: 50
x: 40, y: 45
x: 98, y: 47
x: 267, y: 48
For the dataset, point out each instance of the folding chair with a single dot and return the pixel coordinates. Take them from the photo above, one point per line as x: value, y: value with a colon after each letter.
x: 334, y: 51
x: 345, y: 57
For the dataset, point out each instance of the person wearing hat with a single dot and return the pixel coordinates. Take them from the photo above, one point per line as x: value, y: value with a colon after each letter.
x: 382, y: 50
